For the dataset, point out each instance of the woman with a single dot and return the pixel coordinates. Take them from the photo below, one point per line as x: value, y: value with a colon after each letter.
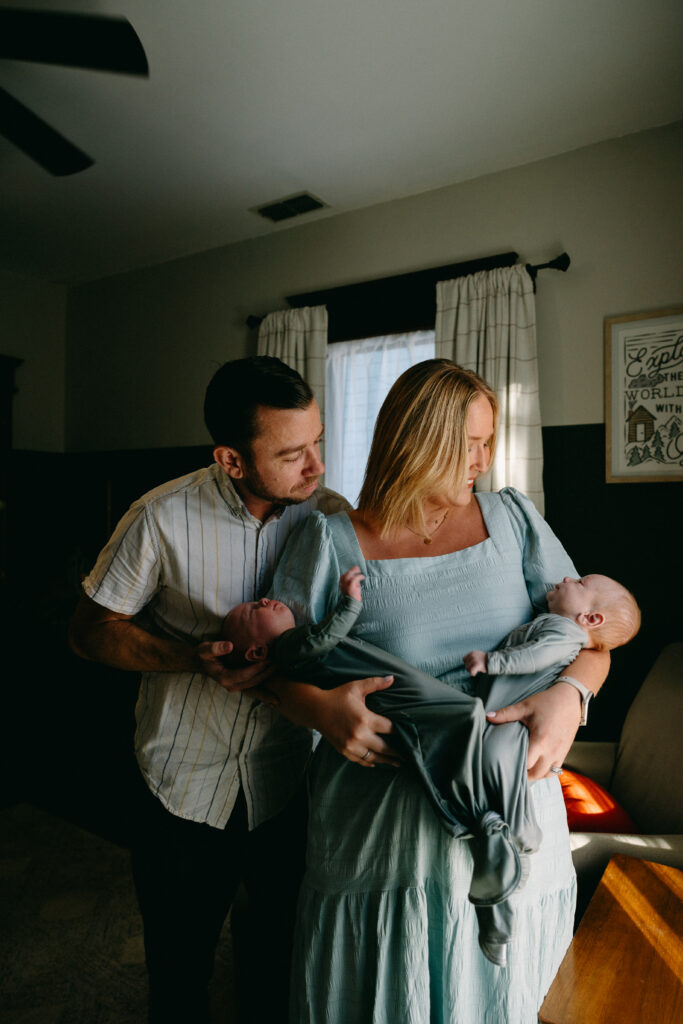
x: 386, y: 934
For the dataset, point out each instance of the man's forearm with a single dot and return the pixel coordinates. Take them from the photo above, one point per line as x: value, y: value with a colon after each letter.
x: 124, y: 645
x: 98, y: 634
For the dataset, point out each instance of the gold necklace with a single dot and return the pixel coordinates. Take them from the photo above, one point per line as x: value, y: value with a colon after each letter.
x: 428, y: 538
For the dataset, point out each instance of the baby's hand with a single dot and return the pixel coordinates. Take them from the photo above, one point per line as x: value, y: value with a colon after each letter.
x: 476, y: 661
x: 350, y: 583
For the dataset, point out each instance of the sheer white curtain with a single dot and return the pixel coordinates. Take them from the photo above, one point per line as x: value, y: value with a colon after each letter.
x: 486, y: 322
x: 359, y: 375
x: 299, y: 338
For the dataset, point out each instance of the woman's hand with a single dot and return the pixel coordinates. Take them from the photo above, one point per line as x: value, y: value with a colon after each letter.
x: 352, y: 728
x: 340, y: 714
x: 552, y: 718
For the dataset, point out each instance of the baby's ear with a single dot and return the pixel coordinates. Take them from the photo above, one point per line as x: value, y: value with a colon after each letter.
x: 257, y: 652
x: 590, y: 620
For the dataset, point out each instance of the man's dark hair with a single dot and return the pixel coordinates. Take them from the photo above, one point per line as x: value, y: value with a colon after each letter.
x: 242, y: 385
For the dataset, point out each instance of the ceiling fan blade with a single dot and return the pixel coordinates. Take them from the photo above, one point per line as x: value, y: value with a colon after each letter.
x: 72, y: 40
x: 46, y: 146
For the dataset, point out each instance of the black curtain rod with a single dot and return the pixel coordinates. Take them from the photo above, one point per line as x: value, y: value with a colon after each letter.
x: 560, y: 262
x: 400, y: 284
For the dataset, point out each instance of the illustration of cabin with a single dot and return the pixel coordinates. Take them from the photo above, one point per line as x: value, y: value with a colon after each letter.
x: 641, y: 425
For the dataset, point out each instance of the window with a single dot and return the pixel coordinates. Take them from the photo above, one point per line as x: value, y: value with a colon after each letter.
x: 359, y: 375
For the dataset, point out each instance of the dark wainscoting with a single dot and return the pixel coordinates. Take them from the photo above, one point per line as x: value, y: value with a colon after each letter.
x: 631, y: 532
x: 71, y: 722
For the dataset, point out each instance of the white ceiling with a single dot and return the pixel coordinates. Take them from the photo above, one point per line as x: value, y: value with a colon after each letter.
x: 356, y: 101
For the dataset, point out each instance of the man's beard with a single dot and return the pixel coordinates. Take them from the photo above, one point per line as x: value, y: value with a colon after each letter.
x: 254, y: 483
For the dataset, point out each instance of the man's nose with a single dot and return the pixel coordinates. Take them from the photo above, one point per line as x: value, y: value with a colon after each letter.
x: 264, y: 602
x: 314, y: 464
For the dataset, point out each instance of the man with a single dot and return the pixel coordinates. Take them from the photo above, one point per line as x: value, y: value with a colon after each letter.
x: 223, y: 769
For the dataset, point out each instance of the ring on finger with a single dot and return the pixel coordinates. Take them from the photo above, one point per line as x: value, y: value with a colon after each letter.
x: 366, y: 755
x: 556, y: 769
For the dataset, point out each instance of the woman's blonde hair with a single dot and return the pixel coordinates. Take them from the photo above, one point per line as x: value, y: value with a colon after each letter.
x: 419, y: 446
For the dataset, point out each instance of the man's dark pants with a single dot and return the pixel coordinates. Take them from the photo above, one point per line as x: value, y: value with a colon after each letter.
x: 186, y: 876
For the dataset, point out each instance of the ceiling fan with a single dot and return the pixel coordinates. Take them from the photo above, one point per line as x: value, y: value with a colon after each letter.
x: 89, y: 41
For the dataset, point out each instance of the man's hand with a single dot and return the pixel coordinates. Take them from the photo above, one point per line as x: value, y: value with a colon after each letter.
x: 350, y: 581
x: 476, y: 661
x: 552, y: 718
x: 209, y: 654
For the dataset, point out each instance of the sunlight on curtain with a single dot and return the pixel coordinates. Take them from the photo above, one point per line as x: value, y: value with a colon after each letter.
x: 486, y: 322
x: 299, y: 338
x: 359, y: 375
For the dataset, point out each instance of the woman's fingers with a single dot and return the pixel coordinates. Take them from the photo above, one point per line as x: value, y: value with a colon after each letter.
x: 552, y: 718
x: 372, y: 685
x: 378, y: 751
x: 359, y: 731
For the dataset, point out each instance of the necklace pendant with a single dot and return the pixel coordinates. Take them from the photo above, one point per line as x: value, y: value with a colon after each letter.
x: 428, y: 540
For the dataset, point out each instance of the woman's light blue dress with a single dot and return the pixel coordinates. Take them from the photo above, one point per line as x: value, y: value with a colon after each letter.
x: 385, y: 932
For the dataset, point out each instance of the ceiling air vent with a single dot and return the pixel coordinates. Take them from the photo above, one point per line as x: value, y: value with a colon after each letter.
x: 294, y: 206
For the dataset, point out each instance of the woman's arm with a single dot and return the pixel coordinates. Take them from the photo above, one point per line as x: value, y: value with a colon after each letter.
x: 340, y: 715
x: 307, y: 580
x: 590, y: 668
x: 553, y: 717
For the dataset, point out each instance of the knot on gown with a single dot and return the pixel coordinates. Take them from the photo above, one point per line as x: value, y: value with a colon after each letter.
x: 491, y: 822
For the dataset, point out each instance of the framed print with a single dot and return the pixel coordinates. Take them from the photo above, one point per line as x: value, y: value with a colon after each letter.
x: 644, y: 396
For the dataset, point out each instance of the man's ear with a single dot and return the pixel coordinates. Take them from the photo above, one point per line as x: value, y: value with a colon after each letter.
x: 230, y: 460
x: 590, y: 620
x: 256, y: 652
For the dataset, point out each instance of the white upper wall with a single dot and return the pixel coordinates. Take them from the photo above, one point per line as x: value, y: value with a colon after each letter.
x: 33, y: 314
x: 142, y: 346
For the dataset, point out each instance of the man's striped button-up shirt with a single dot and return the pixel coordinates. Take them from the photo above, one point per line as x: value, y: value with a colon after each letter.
x: 181, y: 557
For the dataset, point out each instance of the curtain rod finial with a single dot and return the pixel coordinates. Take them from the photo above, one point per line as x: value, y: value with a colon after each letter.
x: 561, y: 262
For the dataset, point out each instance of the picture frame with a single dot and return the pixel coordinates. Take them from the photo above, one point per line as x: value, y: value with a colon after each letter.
x: 644, y: 397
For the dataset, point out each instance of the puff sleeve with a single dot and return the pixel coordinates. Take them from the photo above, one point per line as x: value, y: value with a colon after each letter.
x: 307, y: 575
x: 545, y: 561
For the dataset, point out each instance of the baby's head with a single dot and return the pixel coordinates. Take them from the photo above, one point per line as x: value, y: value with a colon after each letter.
x: 252, y: 627
x: 606, y: 610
